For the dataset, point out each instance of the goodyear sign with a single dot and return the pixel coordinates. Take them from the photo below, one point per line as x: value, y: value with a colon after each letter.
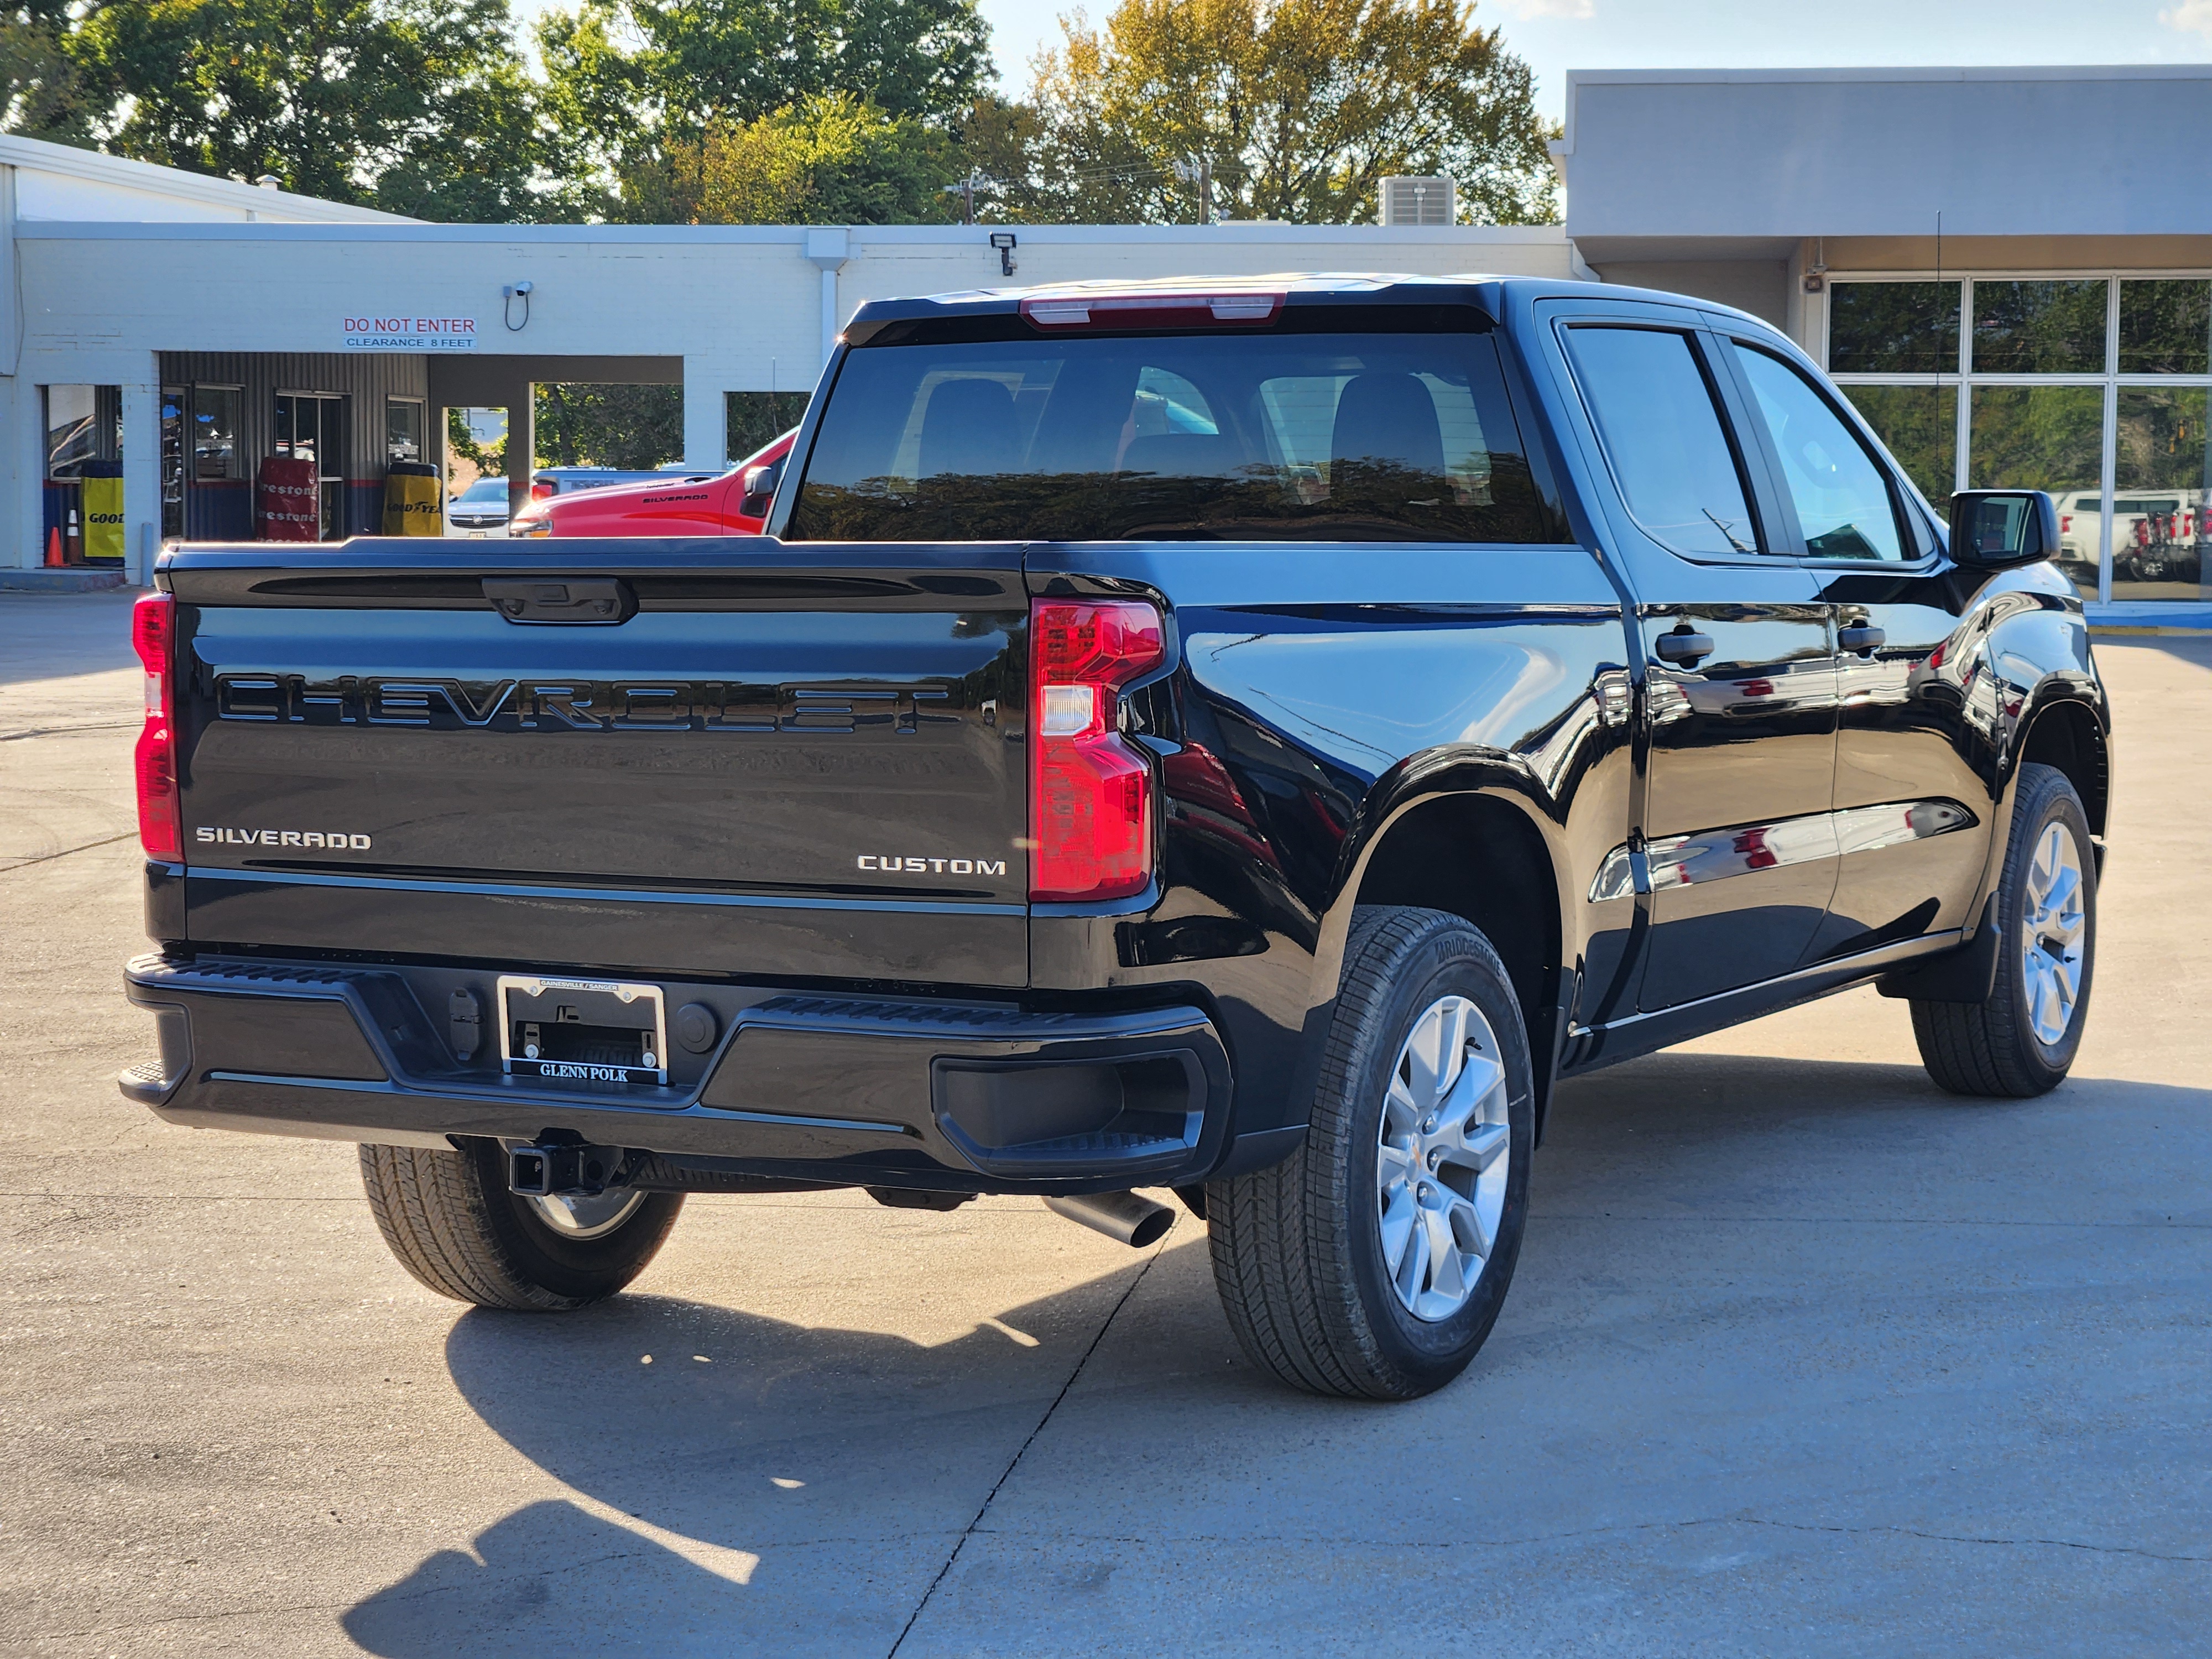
x: 412, y: 507
x: 392, y: 330
x: 103, y: 519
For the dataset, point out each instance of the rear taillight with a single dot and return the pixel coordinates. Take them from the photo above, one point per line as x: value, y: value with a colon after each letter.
x: 541, y: 491
x: 2066, y: 524
x: 153, y: 632
x: 1090, y: 788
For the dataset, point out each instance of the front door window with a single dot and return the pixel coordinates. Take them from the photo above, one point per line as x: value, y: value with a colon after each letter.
x: 1843, y: 502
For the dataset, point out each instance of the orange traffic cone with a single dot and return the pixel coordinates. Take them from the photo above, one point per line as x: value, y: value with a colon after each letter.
x: 54, y: 548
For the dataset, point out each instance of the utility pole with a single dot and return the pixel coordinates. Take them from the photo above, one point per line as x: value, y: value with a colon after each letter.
x: 965, y: 190
x: 1198, y: 171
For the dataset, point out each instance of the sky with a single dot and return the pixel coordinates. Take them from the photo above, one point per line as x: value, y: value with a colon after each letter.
x: 1555, y: 36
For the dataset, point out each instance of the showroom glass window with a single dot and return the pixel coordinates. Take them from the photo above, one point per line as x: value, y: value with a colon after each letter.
x: 2095, y: 388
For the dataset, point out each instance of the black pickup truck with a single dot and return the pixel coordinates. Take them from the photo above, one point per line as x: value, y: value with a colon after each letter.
x: 1250, y: 738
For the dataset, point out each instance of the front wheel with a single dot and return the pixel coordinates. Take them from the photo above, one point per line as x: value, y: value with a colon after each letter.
x: 2022, y: 1040
x: 1372, y: 1262
x: 451, y: 1220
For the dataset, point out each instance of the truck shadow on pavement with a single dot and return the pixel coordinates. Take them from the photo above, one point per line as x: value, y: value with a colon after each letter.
x: 754, y: 1479
x: 550, y: 1564
x: 761, y: 1484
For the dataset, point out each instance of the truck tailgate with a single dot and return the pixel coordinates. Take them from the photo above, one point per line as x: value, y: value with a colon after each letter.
x: 722, y: 757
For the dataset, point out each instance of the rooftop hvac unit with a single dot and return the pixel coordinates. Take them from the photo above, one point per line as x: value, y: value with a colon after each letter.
x: 1430, y: 201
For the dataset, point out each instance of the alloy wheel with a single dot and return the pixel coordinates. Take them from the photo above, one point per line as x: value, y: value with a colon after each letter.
x: 2052, y: 934
x: 1443, y: 1151
x: 594, y: 1216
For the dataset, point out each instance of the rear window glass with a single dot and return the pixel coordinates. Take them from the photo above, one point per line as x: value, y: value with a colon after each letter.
x: 1326, y: 437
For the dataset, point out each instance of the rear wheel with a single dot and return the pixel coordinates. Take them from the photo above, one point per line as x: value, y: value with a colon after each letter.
x: 1373, y: 1261
x: 451, y: 1220
x: 2023, y: 1039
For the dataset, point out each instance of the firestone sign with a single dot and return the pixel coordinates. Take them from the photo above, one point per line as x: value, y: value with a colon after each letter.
x: 393, y: 332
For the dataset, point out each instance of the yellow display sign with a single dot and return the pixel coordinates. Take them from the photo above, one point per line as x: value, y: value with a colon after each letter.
x: 412, y: 507
x: 103, y: 519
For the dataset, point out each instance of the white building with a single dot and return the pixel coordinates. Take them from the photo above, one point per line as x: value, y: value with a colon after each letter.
x: 148, y: 317
x: 2011, y: 270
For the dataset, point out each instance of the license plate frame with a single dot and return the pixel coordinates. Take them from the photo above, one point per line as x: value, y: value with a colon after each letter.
x: 620, y: 1002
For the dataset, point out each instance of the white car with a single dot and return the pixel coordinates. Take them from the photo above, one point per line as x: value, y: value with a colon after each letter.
x: 480, y: 510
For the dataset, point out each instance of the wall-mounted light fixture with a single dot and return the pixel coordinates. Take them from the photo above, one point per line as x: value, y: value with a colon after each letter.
x: 1006, y: 242
x: 509, y: 294
x: 1816, y: 274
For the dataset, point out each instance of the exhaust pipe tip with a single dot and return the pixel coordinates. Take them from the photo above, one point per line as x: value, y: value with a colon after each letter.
x: 1123, y: 1217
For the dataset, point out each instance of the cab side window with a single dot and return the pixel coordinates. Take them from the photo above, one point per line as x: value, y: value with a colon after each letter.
x: 1662, y: 432
x: 1844, y: 508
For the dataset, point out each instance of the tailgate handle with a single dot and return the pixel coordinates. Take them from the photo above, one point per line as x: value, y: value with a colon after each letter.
x: 580, y: 599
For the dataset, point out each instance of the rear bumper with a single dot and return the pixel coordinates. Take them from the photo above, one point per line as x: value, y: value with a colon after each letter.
x: 943, y: 1096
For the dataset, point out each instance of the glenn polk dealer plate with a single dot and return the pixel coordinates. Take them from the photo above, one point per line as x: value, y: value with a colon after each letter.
x: 582, y: 1031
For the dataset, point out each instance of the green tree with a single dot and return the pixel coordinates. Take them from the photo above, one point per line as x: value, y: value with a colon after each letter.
x: 45, y: 96
x: 1300, y: 106
x: 630, y: 427
x: 461, y: 445
x: 642, y: 86
x: 422, y: 107
x: 757, y: 419
x: 830, y: 159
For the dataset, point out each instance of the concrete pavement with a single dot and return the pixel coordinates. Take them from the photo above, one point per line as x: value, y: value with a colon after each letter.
x: 1802, y: 1356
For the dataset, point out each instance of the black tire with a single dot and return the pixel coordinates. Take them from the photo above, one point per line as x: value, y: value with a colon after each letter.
x: 451, y: 1220
x: 1992, y: 1048
x: 1298, y: 1248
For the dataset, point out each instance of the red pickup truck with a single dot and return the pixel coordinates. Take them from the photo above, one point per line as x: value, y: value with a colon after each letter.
x: 732, y: 503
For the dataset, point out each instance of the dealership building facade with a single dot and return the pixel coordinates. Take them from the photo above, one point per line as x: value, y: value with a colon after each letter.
x: 2009, y: 271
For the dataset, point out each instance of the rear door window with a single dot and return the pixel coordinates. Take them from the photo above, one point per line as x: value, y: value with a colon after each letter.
x: 1661, y: 428
x: 1322, y: 436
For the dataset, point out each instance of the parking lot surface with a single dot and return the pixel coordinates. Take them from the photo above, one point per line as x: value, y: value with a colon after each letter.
x: 1802, y: 1355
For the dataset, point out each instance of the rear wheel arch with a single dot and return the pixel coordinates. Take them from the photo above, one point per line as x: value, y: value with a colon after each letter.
x: 1507, y: 886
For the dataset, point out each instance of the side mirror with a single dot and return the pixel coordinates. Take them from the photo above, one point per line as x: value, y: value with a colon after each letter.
x: 1992, y: 528
x: 759, y: 491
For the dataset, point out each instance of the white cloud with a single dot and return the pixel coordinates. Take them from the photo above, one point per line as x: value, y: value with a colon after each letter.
x: 1589, y: 7
x: 2190, y: 17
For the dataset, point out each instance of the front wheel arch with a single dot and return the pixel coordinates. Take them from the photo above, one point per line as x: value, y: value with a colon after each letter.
x: 2064, y: 733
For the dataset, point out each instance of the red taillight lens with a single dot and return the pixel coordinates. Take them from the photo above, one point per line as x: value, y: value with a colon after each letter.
x: 2066, y: 524
x: 1091, y: 789
x: 153, y: 630
x: 540, y: 492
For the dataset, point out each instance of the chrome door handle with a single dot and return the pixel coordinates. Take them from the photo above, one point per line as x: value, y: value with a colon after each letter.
x: 1865, y: 638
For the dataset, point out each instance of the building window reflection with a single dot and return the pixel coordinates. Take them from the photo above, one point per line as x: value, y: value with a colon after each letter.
x: 2095, y: 388
x: 2166, y: 327
x: 2162, y: 483
x: 1894, y: 328
x: 2039, y: 327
